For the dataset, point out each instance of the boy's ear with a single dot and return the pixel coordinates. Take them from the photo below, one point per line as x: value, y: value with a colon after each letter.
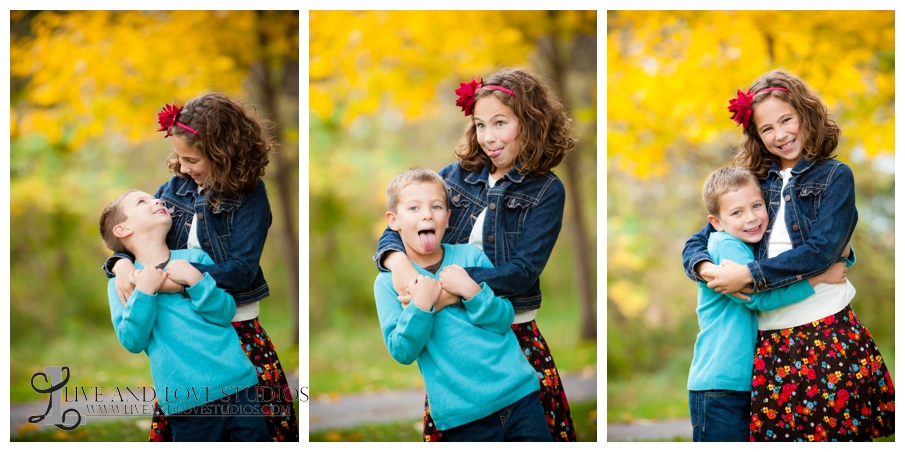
x: 715, y: 222
x: 391, y: 220
x: 121, y: 231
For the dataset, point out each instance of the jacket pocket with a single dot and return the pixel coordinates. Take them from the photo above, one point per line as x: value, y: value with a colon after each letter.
x: 809, y: 201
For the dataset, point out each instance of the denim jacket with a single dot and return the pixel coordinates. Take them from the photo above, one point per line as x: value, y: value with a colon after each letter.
x: 233, y: 235
x: 820, y: 218
x: 523, y: 220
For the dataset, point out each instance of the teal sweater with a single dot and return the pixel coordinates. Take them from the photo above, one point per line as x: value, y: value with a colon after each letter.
x: 195, y: 353
x: 471, y: 362
x: 724, y: 350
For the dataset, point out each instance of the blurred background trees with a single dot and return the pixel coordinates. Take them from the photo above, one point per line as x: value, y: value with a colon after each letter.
x: 381, y: 100
x: 670, y: 76
x: 85, y: 89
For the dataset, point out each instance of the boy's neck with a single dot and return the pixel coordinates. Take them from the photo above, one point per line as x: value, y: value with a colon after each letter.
x: 426, y: 260
x: 150, y: 253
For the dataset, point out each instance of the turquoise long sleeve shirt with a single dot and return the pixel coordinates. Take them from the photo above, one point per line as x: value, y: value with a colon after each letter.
x: 471, y: 362
x: 195, y: 354
x: 724, y: 349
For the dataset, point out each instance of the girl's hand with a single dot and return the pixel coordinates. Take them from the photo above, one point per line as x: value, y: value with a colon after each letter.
x: 182, y: 272
x: 456, y: 281
x: 148, y: 280
x: 730, y: 277
x: 707, y: 270
x: 403, y: 272
x: 835, y: 275
x: 425, y: 292
x: 124, y: 284
x: 170, y: 286
x: 446, y: 299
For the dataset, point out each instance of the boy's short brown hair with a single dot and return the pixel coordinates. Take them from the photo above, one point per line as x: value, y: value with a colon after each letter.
x: 722, y: 181
x: 112, y: 216
x: 409, y: 177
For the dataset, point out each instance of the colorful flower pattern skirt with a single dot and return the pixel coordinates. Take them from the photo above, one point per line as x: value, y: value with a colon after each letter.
x: 552, y: 394
x: 822, y: 381
x: 275, y: 394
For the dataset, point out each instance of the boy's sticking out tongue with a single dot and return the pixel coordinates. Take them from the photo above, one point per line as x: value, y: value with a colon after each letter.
x: 428, y: 240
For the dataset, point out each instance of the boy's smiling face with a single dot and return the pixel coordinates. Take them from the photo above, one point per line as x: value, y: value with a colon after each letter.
x: 421, y: 218
x: 742, y: 214
x: 143, y: 210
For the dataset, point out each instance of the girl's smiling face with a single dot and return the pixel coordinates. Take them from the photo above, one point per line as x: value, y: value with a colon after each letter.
x: 777, y: 125
x: 191, y: 162
x: 497, y: 133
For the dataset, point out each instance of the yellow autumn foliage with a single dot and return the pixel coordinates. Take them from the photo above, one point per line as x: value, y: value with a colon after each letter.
x: 670, y: 75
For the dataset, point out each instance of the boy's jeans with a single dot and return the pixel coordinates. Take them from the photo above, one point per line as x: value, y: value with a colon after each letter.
x: 234, y: 418
x: 720, y: 415
x: 522, y: 421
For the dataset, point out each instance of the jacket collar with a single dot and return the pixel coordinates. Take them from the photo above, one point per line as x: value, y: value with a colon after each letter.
x: 800, y: 167
x: 513, y: 175
x: 186, y: 186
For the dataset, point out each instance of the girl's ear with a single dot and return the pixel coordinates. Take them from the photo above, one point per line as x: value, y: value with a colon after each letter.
x: 121, y: 231
x: 715, y: 222
x: 391, y: 220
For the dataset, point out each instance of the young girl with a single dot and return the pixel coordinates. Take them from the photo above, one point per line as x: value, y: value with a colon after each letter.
x: 818, y: 375
x: 219, y: 204
x: 506, y: 200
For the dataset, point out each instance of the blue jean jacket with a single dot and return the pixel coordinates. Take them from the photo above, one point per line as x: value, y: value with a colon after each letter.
x: 522, y: 223
x: 820, y: 218
x: 233, y: 235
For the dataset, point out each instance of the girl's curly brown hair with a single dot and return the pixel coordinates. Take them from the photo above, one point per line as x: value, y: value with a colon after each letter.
x: 817, y: 132
x: 544, y: 127
x: 233, y: 140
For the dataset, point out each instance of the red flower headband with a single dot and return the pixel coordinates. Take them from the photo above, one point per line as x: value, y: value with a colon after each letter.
x: 467, y: 92
x: 741, y: 105
x: 167, y: 119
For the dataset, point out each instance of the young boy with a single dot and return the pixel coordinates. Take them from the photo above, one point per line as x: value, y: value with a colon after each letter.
x: 205, y: 384
x: 719, y: 382
x: 480, y: 387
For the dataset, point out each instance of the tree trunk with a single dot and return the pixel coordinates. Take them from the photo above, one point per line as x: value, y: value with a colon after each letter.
x: 574, y: 198
x: 281, y: 174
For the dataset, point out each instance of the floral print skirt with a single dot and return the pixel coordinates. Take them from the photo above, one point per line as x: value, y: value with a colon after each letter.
x: 273, y: 389
x: 552, y: 394
x: 822, y: 381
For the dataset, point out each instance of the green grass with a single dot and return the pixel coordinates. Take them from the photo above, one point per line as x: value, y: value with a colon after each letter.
x: 118, y: 430
x: 663, y: 395
x: 350, y: 356
x: 96, y: 358
x: 584, y: 415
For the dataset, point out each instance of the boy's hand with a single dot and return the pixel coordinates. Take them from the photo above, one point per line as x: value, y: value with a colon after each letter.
x: 148, y: 280
x: 182, y: 272
x: 835, y: 275
x: 425, y: 292
x: 456, y: 281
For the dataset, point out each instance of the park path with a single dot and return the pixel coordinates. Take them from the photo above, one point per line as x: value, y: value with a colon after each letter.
x: 355, y: 409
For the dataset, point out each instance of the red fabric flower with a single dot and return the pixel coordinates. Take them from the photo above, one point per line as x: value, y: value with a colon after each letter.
x: 741, y: 107
x: 167, y: 118
x: 466, y: 94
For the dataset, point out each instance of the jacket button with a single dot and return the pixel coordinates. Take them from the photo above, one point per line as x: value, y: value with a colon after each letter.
x: 796, y: 228
x: 200, y: 216
x: 788, y: 198
x: 490, y: 238
x: 456, y: 198
x: 492, y: 206
x: 207, y: 244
